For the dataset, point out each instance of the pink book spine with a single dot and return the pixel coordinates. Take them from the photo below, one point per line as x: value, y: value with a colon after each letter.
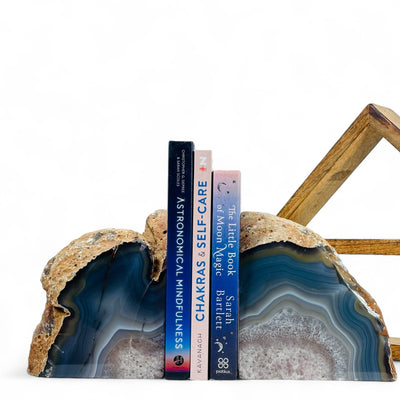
x: 202, y: 203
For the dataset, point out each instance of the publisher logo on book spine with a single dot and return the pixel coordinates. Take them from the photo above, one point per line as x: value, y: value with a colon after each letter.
x: 178, y: 360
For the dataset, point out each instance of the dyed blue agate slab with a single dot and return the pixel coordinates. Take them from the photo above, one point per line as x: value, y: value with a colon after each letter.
x: 300, y: 320
x: 302, y: 315
x: 105, y: 307
x: 115, y: 310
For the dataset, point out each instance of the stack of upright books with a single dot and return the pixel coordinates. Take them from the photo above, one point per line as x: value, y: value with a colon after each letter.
x: 202, y: 304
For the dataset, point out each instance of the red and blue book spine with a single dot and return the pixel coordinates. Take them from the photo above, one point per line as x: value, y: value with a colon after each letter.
x: 224, y: 294
x: 179, y: 260
x: 202, y: 197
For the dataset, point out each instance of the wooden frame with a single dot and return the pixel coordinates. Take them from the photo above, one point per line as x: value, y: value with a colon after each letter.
x: 373, y: 124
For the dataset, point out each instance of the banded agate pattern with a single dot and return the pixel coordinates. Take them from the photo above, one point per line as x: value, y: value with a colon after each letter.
x: 116, y: 324
x: 300, y: 320
x: 302, y: 315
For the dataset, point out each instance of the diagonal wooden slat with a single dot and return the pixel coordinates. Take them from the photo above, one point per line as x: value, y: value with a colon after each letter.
x: 344, y: 157
x: 374, y: 123
x: 386, y: 123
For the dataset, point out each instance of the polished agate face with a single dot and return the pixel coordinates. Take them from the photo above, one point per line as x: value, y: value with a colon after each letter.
x: 300, y: 320
x: 116, y: 323
x: 302, y: 315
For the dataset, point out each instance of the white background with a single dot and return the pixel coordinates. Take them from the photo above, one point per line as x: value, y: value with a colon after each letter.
x: 90, y: 94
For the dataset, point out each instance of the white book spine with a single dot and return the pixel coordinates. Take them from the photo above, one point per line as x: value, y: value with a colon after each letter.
x: 202, y: 204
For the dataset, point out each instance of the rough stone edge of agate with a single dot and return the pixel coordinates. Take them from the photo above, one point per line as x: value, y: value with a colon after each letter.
x: 63, y: 267
x: 256, y: 229
x: 262, y: 228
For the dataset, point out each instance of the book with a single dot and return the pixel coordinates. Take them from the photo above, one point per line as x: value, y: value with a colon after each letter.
x: 202, y: 196
x: 224, y: 294
x: 179, y: 260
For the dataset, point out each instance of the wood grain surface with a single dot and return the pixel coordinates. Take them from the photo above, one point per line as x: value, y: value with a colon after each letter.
x: 366, y: 246
x: 373, y: 124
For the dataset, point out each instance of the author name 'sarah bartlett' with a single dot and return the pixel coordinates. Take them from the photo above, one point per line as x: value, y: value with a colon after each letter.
x: 224, y: 293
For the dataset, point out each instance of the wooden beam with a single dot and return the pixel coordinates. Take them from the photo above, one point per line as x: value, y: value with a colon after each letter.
x: 387, y: 123
x: 366, y: 246
x: 373, y: 124
x: 395, y: 346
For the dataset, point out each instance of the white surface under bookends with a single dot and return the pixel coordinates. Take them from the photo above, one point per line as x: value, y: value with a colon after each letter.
x: 302, y: 315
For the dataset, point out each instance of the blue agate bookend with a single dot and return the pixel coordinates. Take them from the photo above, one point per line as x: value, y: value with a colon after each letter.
x: 302, y: 315
x: 105, y: 310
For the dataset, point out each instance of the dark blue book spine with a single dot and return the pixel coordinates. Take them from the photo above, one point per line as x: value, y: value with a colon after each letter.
x: 179, y: 260
x: 224, y: 295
